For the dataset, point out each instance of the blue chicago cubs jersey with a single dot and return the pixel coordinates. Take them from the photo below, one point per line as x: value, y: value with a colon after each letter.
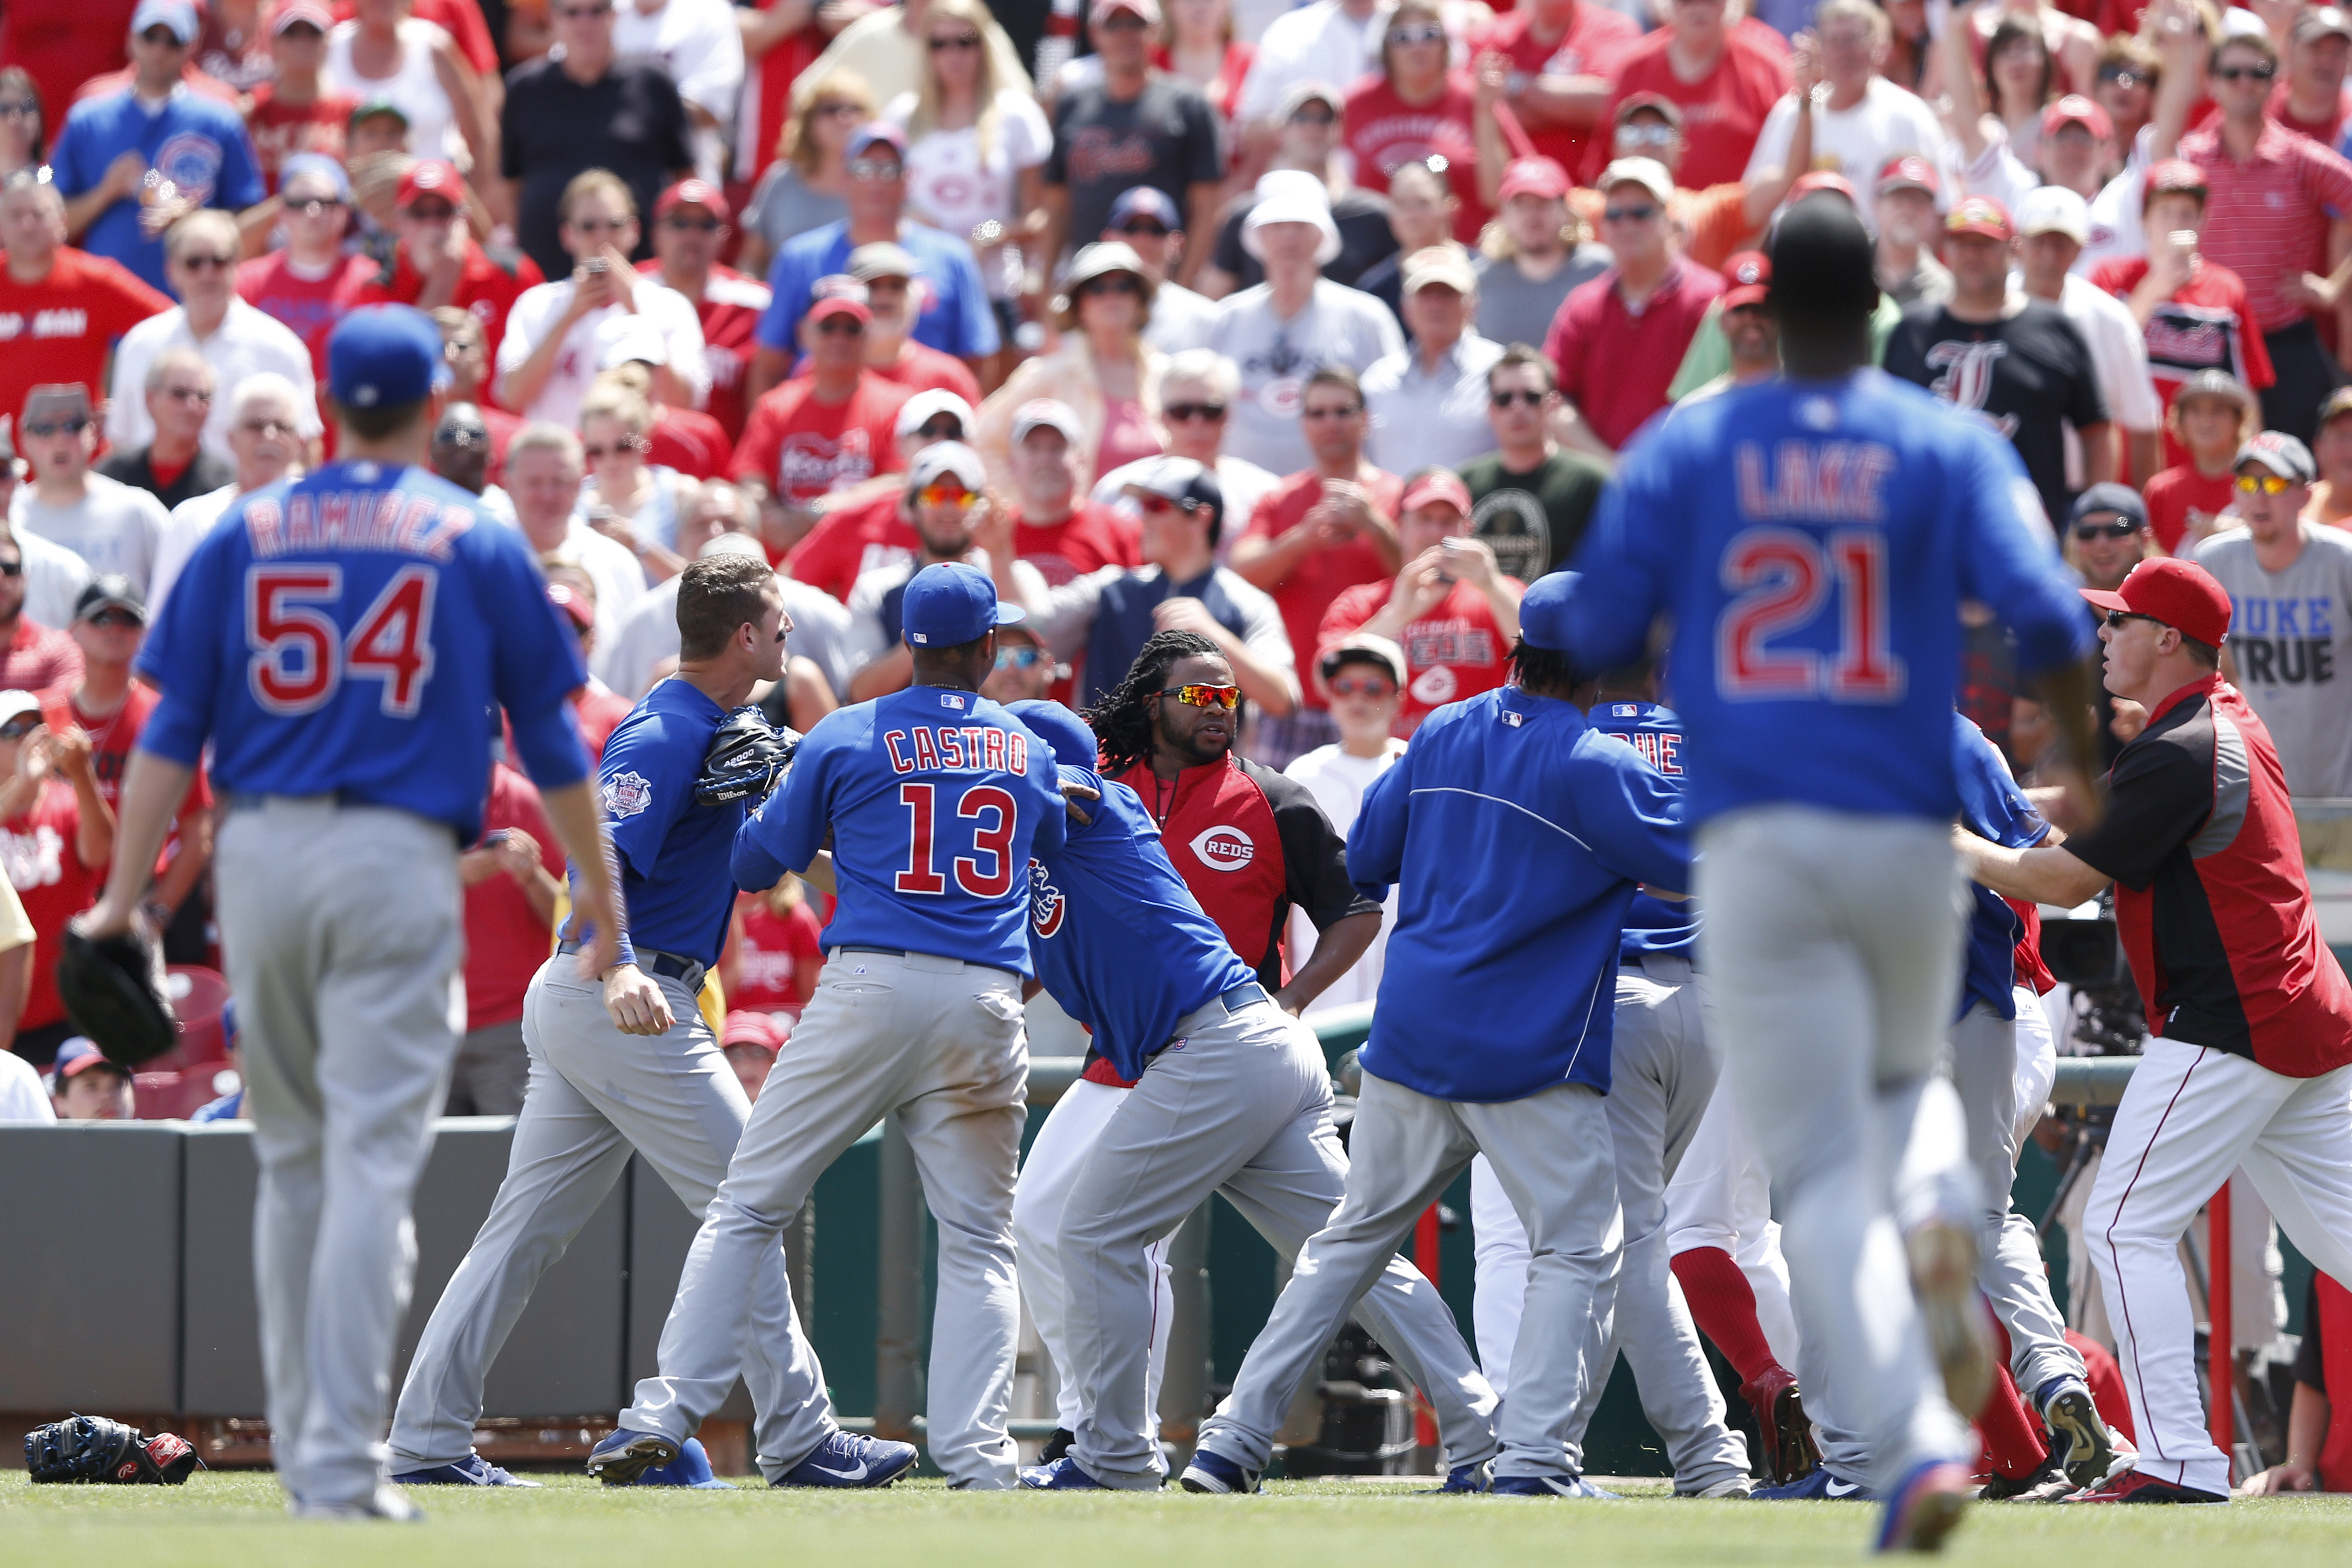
x: 197, y: 144
x: 354, y: 631
x: 1992, y: 807
x: 1119, y: 940
x: 674, y: 851
x: 1517, y: 833
x: 935, y: 800
x: 1813, y: 542
x: 1652, y: 925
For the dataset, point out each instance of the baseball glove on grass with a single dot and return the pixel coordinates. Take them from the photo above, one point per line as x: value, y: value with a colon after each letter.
x: 113, y: 990
x: 92, y: 1449
x: 746, y: 758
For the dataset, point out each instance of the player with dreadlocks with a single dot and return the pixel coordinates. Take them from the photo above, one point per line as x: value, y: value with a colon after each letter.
x: 1249, y: 843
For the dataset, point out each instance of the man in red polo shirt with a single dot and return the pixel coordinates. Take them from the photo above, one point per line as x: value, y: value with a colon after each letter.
x: 437, y: 262
x: 2248, y: 1061
x: 60, y: 308
x: 1725, y: 79
x: 1561, y: 55
x: 823, y: 432
x: 691, y: 221
x: 2266, y: 218
x: 1617, y: 340
x: 1317, y: 534
x: 1452, y: 609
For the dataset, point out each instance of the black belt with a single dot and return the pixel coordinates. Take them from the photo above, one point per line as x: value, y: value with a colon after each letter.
x: 687, y: 972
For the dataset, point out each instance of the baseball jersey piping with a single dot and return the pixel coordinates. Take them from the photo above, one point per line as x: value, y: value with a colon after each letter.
x: 1498, y: 800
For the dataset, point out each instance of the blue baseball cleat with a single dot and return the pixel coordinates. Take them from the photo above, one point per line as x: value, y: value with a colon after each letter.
x: 1816, y: 1484
x: 1212, y: 1472
x: 624, y: 1456
x: 690, y: 1468
x: 1925, y: 1507
x: 1550, y: 1486
x: 1478, y: 1478
x: 1061, y: 1476
x: 848, y: 1460
x: 473, y: 1470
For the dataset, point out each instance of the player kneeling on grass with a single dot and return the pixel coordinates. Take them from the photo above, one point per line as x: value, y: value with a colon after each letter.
x: 338, y: 642
x: 1519, y: 836
x: 623, y: 1062
x: 1231, y: 1095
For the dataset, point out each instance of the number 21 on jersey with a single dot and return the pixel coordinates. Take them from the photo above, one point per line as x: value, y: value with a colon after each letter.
x: 301, y: 657
x: 1781, y: 581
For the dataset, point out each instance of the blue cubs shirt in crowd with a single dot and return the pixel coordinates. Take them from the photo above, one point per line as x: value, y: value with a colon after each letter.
x: 1516, y: 833
x: 1813, y: 542
x: 198, y: 144
x: 1652, y: 925
x: 935, y: 800
x: 955, y: 316
x: 1119, y: 940
x: 1992, y: 807
x: 675, y: 851
x: 353, y: 633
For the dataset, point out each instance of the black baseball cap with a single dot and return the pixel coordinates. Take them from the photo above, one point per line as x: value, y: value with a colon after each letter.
x: 110, y: 591
x: 2121, y: 499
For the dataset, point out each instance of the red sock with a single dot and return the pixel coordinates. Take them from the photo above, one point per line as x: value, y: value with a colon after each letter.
x: 2012, y: 1438
x: 1723, y: 1304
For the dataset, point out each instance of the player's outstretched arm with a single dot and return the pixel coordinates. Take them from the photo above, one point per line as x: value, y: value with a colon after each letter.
x: 153, y: 788
x: 572, y: 811
x: 2045, y: 876
x: 2066, y: 691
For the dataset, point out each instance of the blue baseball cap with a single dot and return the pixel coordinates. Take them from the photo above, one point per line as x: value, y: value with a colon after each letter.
x: 1144, y: 201
x: 79, y: 1054
x: 951, y: 604
x: 1543, y: 612
x: 381, y: 356
x: 319, y: 164
x: 177, y: 15
x: 1073, y: 743
x: 690, y: 1468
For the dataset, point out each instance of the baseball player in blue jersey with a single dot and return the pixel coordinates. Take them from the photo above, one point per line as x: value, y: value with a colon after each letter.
x: 1662, y: 1072
x: 1231, y: 1095
x: 933, y: 802
x: 339, y: 641
x: 1518, y: 838
x: 627, y: 1064
x: 1811, y: 539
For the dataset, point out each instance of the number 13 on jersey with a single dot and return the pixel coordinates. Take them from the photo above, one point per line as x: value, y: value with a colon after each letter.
x: 1782, y: 581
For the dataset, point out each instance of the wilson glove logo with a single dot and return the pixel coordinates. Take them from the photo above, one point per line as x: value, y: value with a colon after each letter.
x: 1224, y: 848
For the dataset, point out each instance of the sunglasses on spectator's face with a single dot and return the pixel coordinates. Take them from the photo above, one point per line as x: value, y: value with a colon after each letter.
x: 1115, y: 284
x: 116, y: 618
x: 1369, y: 686
x: 1527, y: 395
x: 875, y: 169
x: 2261, y: 70
x: 1018, y: 655
x: 840, y: 110
x: 206, y: 261
x: 941, y: 44
x: 1313, y: 114
x: 1199, y: 694
x: 431, y: 212
x: 582, y: 12
x: 57, y: 427
x: 945, y: 428
x: 311, y: 206
x: 22, y: 725
x: 1144, y: 227
x: 1649, y: 133
x: 17, y: 107
x: 691, y: 225
x: 2269, y: 484
x: 2122, y: 76
x: 600, y: 225
x: 1641, y: 213
x: 842, y: 326
x: 1185, y: 413
x: 187, y: 395
x: 2117, y: 619
x: 272, y: 427
x: 1425, y: 33
x: 946, y: 495
x: 161, y: 38
x: 2113, y: 528
x: 1344, y: 411
x: 14, y: 568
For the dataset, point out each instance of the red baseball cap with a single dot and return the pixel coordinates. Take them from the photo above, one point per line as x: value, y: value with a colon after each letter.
x: 747, y: 1027
x: 2172, y: 175
x: 1439, y: 486
x: 2075, y: 109
x: 1749, y: 275
x: 838, y: 295
x: 1981, y: 216
x: 1822, y: 180
x: 1533, y: 177
x: 692, y: 192
x: 2180, y: 594
x: 1909, y: 172
x: 433, y: 177
x: 575, y: 608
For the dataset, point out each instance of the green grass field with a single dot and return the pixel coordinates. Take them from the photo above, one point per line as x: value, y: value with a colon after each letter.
x: 235, y: 1521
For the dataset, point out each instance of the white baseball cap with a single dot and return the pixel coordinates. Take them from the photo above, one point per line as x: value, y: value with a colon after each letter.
x: 2055, y: 209
x: 1040, y: 413
x: 1292, y: 195
x: 930, y: 404
x: 948, y: 457
x: 13, y: 703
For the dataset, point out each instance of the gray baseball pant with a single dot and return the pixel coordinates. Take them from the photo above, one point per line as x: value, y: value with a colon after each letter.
x: 1240, y: 1103
x: 1662, y: 1073
x: 937, y: 1044
x: 344, y: 942
x: 1832, y: 941
x: 597, y: 1094
x: 2011, y: 1270
x: 1551, y: 1152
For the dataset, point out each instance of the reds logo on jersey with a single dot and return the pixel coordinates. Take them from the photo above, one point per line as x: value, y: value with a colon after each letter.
x: 1967, y: 381
x: 1224, y: 848
x: 1046, y: 905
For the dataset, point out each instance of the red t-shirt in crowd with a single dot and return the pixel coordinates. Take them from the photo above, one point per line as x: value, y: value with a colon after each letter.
x: 1615, y: 366
x: 61, y: 329
x: 37, y: 658
x: 110, y: 741
x: 506, y: 941
x: 2325, y: 130
x: 2266, y: 217
x: 485, y: 290
x: 1596, y: 38
x: 768, y: 95
x: 1383, y: 130
x: 2180, y: 499
x: 62, y: 43
x: 1305, y: 596
x: 919, y: 368
x: 847, y: 544
x: 768, y: 959
x: 1723, y: 111
x: 690, y: 441
x: 281, y: 129
x: 310, y: 307
x: 1457, y: 650
x: 2205, y: 325
x: 600, y: 710
x: 804, y: 448
x: 1090, y: 539
x: 731, y: 309
x: 53, y: 885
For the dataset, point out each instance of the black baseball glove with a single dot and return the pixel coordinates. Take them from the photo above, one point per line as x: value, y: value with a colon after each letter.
x: 746, y: 758
x: 92, y: 1449
x: 113, y: 989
